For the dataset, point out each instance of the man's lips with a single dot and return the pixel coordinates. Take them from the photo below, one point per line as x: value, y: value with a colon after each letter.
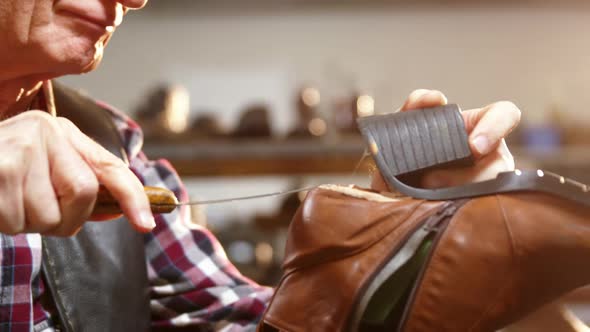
x: 98, y: 23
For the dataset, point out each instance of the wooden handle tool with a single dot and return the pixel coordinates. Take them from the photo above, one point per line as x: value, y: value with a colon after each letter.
x: 161, y: 201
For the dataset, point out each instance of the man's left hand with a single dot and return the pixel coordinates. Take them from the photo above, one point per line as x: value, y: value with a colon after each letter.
x: 487, y: 127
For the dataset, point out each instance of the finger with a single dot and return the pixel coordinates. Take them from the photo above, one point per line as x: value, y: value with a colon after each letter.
x: 489, y: 125
x: 42, y: 211
x: 114, y: 174
x: 74, y: 182
x: 423, y: 98
x: 378, y: 182
x: 27, y: 199
x: 486, y: 168
x: 12, y: 212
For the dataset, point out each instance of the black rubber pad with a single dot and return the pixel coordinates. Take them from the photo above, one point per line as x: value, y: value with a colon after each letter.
x: 405, y: 144
x: 417, y: 140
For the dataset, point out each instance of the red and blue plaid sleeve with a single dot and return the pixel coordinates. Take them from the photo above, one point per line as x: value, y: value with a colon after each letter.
x: 193, y: 284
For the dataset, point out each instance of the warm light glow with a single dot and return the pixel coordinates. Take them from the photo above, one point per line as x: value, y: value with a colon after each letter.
x: 317, y: 127
x: 311, y: 97
x: 30, y: 92
x: 120, y: 13
x: 575, y: 323
x: 20, y: 94
x: 198, y: 217
x: 177, y: 109
x: 301, y: 195
x: 365, y: 106
x: 374, y: 148
x: 264, y: 253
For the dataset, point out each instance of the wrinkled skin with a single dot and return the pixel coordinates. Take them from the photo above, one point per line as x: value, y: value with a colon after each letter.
x: 49, y: 170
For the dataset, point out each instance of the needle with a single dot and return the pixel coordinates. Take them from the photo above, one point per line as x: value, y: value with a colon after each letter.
x: 242, y: 198
x: 164, y: 201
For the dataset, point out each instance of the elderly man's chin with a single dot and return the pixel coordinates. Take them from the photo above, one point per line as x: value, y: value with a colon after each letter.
x: 95, y: 59
x: 83, y: 58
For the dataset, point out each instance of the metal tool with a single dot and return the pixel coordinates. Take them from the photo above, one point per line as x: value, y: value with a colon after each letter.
x: 164, y: 201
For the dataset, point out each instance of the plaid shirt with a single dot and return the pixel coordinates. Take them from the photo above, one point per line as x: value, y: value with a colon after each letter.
x: 192, y: 282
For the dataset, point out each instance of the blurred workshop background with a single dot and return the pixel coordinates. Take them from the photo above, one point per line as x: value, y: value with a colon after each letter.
x: 257, y: 96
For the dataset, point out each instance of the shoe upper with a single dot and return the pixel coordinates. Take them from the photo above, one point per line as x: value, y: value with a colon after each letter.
x: 337, y: 241
x: 499, y: 258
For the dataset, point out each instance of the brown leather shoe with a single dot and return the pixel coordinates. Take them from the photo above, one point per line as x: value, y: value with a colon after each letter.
x: 493, y: 260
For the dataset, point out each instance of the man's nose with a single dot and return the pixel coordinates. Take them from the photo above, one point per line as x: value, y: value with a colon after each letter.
x: 133, y: 4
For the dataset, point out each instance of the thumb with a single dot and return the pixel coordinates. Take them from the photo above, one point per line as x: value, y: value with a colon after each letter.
x: 488, y: 126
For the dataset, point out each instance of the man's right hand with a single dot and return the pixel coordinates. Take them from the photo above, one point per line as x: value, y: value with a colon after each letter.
x: 49, y: 177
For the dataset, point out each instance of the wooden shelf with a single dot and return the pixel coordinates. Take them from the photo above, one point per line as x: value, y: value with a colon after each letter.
x: 298, y: 157
x: 229, y: 158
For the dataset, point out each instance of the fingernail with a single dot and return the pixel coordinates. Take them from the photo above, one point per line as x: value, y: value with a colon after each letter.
x: 481, y: 144
x: 147, y: 219
x: 437, y: 94
x: 413, y: 98
x: 420, y: 94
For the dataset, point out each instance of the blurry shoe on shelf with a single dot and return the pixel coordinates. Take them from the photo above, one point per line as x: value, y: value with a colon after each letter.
x: 546, y: 136
x: 252, y: 252
x: 254, y: 123
x: 274, y: 227
x: 347, y: 110
x: 164, y: 113
x: 309, y: 123
x: 206, y: 126
x: 282, y: 218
